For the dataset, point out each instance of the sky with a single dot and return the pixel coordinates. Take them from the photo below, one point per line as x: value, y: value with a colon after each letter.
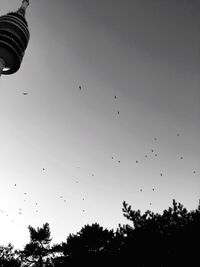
x: 70, y: 157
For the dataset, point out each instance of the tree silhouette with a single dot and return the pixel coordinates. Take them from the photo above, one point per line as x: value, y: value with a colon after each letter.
x: 89, y: 244
x: 38, y: 249
x: 9, y: 256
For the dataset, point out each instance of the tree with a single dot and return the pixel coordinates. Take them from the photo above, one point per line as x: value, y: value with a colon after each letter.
x: 90, y: 244
x: 38, y: 249
x: 9, y: 256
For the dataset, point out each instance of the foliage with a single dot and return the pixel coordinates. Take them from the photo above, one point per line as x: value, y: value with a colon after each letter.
x: 9, y: 256
x: 38, y: 249
x: 160, y: 240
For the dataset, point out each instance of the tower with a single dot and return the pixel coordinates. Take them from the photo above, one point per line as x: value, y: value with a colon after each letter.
x: 14, y: 38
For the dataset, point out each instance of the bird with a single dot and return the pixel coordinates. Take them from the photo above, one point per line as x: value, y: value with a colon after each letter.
x: 155, y: 139
x: 112, y: 157
x: 140, y: 190
x: 25, y: 193
x: 181, y: 157
x: 152, y: 150
x: 161, y: 174
x: 25, y: 93
x: 118, y: 112
x: 178, y: 134
x: 194, y: 171
x: 115, y: 97
x: 15, y: 184
x: 136, y: 161
x: 145, y: 156
x: 156, y: 155
x: 43, y: 169
x: 119, y: 161
x: 80, y: 87
x: 153, y: 189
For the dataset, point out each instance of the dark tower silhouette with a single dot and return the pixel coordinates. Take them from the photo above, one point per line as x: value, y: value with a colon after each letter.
x: 14, y: 38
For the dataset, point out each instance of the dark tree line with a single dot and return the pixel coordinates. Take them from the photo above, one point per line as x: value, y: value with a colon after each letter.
x: 170, y: 239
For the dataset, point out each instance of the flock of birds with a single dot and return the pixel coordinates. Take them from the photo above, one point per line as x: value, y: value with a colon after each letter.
x: 61, y: 197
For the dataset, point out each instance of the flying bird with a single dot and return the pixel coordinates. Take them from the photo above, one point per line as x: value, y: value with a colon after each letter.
x: 118, y: 112
x: 25, y: 93
x: 80, y: 87
x: 115, y: 97
x: 136, y: 161
x: 181, y: 157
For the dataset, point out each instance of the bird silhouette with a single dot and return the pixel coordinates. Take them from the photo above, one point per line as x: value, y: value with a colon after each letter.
x: 136, y: 161
x: 156, y: 155
x: 145, y: 156
x: 80, y: 87
x: 115, y: 97
x: 181, y: 157
x: 25, y: 93
x: 118, y: 112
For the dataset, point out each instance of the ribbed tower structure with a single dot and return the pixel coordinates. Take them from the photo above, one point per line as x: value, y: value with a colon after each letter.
x: 14, y: 38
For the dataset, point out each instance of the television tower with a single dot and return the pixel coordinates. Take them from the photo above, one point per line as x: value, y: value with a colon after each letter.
x: 14, y: 38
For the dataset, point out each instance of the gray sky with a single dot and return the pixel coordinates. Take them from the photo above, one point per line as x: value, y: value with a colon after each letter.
x: 146, y: 53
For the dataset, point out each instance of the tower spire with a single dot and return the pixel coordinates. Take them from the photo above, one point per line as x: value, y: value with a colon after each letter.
x: 22, y: 9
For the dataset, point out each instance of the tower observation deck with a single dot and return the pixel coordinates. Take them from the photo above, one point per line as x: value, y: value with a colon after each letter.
x: 14, y: 38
